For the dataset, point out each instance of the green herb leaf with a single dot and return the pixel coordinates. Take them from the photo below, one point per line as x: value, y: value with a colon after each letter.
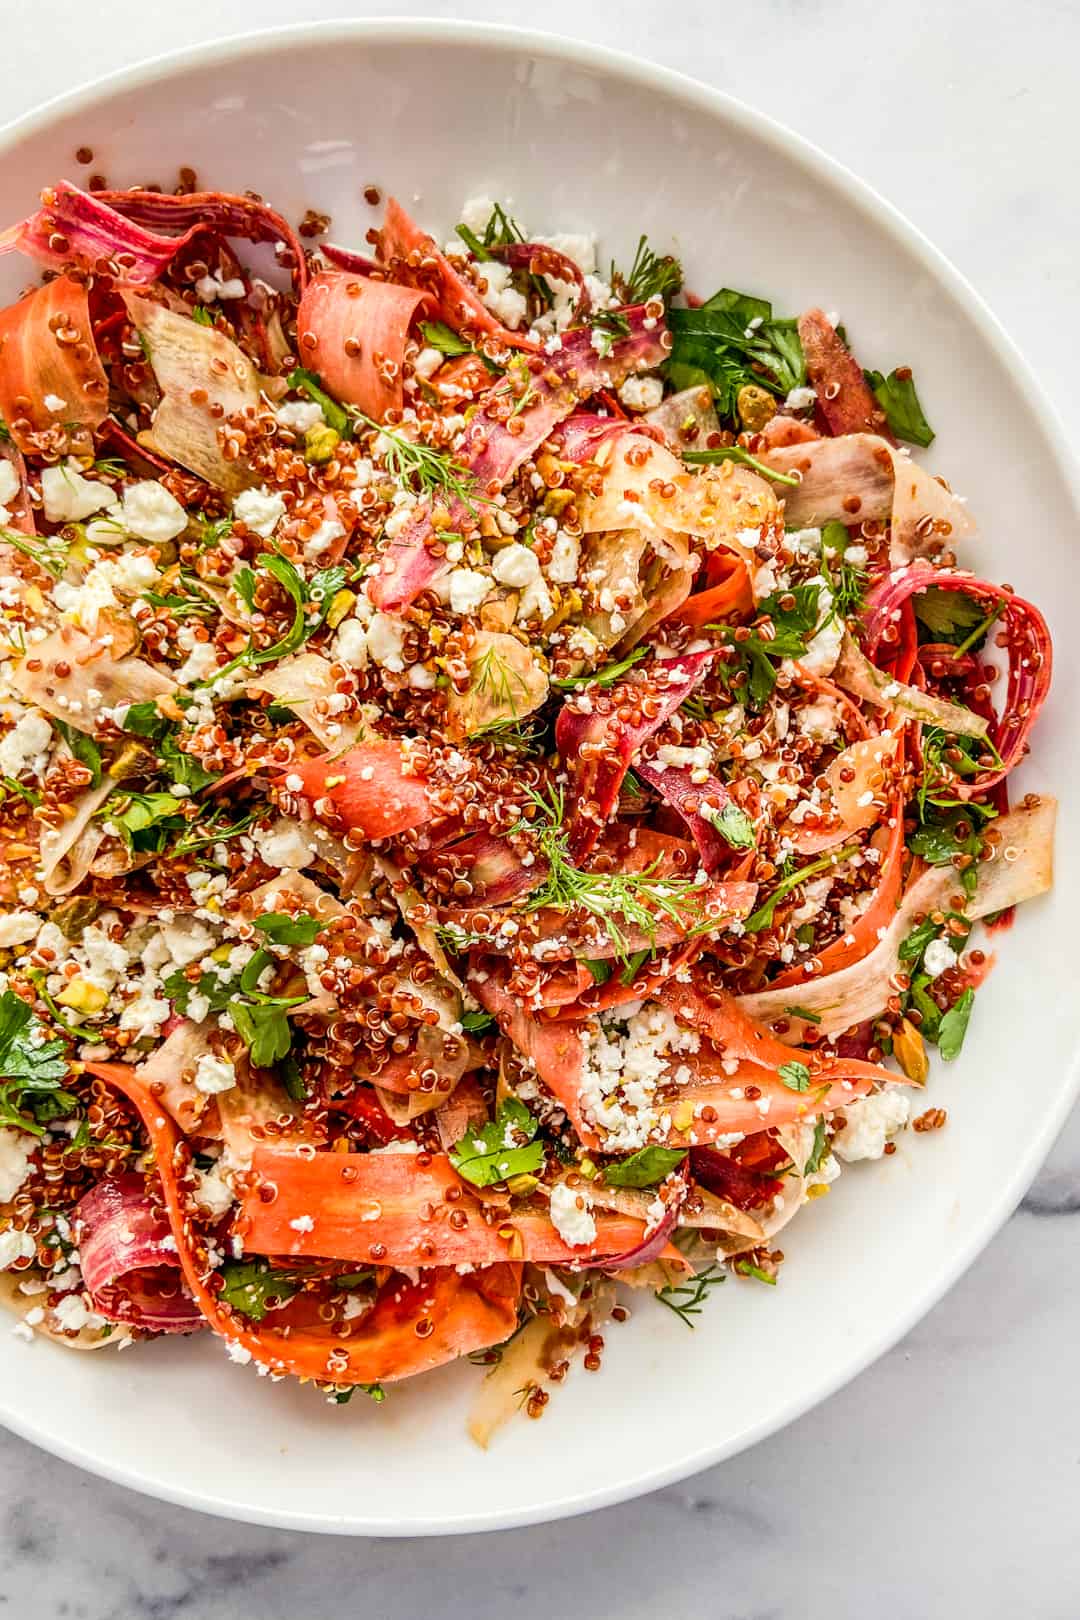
x: 733, y: 341
x: 83, y: 748
x: 244, y: 583
x: 763, y: 916
x: 645, y: 1168
x: 897, y: 397
x: 805, y: 1014
x: 796, y: 1076
x: 606, y: 676
x: 651, y: 275
x: 145, y: 720
x: 264, y: 1029
x: 817, y: 1152
x: 31, y: 1069
x: 146, y: 819
x: 686, y: 1299
x: 914, y: 944
x: 285, y: 930
x: 201, y: 315
x: 437, y: 335
x: 735, y: 452
x: 184, y: 768
x: 308, y: 383
x: 254, y: 1287
x: 503, y: 1148
x: 477, y: 1022
x: 953, y: 1026
x: 598, y: 967
x: 947, y: 615
x: 734, y: 825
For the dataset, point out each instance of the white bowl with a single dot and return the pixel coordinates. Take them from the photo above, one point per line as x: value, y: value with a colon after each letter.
x: 579, y: 138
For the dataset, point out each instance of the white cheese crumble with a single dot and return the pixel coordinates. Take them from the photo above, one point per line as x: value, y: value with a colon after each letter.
x: 938, y: 956
x: 214, y: 1074
x: 17, y: 927
x: 468, y: 589
x: 16, y: 1150
x: 871, y: 1121
x: 385, y: 639
x: 26, y: 746
x: 641, y: 393
x: 298, y: 415
x: 261, y: 509
x: 149, y: 512
x: 68, y: 497
x: 571, y: 1215
x: 15, y: 1246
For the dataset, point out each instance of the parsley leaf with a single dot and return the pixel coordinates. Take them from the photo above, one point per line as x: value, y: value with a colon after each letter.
x: 644, y: 1168
x: 31, y: 1069
x: 254, y: 1287
x: 953, y: 1026
x: 264, y: 1029
x: 796, y: 1076
x: 146, y: 820
x: 757, y: 656
x: 285, y: 930
x: 478, y: 1022
x: 337, y: 417
x: 897, y: 397
x: 947, y: 615
x: 733, y: 341
x: 437, y: 335
x: 83, y: 748
x: 145, y: 720
x: 502, y: 1148
x: 184, y: 768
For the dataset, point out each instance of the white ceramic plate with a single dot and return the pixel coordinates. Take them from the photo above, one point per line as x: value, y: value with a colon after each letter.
x: 580, y: 138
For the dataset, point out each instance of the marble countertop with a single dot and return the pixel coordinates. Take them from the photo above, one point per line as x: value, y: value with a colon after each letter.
x: 945, y: 1478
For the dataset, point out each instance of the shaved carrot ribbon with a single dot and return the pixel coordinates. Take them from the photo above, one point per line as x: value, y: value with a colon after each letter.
x: 411, y: 1327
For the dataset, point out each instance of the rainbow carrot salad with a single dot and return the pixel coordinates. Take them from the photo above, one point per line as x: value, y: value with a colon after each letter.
x: 502, y: 760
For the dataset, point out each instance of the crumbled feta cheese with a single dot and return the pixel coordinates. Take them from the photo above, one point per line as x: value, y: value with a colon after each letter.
x: 151, y: 513
x: 428, y: 362
x: 571, y: 1214
x: 72, y: 1313
x: 17, y: 1148
x: 15, y: 1246
x: 214, y: 1074
x: 298, y: 415
x: 870, y: 1123
x: 17, y: 927
x: 818, y: 721
x: 565, y: 559
x: 515, y: 565
x: 9, y: 482
x: 134, y: 572
x: 302, y: 1223
x: 351, y: 645
x: 938, y: 956
x: 469, y: 588
x: 641, y: 393
x: 26, y: 746
x: 199, y: 665
x: 210, y: 288
x: 68, y: 497
x: 800, y: 399
x: 385, y: 639
x: 84, y: 602
x: 476, y: 214
x: 260, y: 509
x: 146, y: 1014
x: 284, y: 846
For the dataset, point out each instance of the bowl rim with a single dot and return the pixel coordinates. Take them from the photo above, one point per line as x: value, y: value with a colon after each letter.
x: 648, y: 77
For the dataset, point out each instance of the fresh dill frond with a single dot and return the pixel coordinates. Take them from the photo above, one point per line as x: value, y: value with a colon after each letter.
x: 651, y: 275
x: 618, y: 900
x: 514, y: 735
x: 50, y: 554
x: 686, y: 1299
x: 427, y: 471
x: 493, y: 676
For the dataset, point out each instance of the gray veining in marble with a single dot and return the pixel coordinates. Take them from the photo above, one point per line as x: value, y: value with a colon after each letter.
x: 946, y: 1479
